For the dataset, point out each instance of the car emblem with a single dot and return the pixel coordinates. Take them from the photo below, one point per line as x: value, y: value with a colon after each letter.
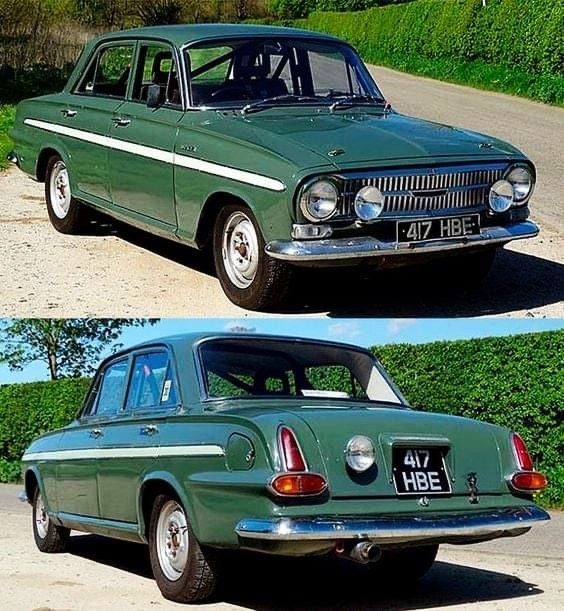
x: 424, y: 501
x: 472, y: 482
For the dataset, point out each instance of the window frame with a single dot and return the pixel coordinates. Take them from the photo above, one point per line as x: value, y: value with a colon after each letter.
x: 94, y: 58
x: 89, y: 411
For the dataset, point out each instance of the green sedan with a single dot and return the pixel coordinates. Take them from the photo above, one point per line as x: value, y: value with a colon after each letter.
x: 198, y: 444
x: 273, y: 147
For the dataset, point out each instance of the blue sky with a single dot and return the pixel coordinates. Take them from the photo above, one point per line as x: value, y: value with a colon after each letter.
x: 363, y: 332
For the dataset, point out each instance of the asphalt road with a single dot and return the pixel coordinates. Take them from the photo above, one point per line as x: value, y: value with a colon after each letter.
x: 101, y: 574
x: 121, y: 272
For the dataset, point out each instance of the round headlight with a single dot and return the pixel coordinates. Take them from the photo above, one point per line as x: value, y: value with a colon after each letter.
x: 319, y: 201
x: 359, y: 453
x: 521, y: 180
x: 368, y: 204
x: 501, y: 196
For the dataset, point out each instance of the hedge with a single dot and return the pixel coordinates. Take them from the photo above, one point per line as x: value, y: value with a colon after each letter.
x: 525, y: 39
x: 517, y: 382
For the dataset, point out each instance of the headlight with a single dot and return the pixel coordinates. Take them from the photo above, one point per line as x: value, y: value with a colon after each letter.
x: 319, y: 201
x: 521, y: 180
x: 368, y: 204
x: 359, y: 453
x: 501, y: 196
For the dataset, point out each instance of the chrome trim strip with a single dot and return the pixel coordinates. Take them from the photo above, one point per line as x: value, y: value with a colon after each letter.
x: 367, y: 246
x: 386, y: 529
x: 127, y: 452
x: 173, y: 158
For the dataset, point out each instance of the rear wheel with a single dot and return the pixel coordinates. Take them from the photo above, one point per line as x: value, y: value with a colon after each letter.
x: 183, y: 571
x: 67, y: 215
x: 405, y: 565
x: 249, y: 277
x: 49, y: 537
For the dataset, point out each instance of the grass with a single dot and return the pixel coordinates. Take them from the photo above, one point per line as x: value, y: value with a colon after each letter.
x: 7, y: 116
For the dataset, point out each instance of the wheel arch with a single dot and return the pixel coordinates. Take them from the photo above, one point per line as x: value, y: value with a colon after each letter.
x: 213, y: 204
x: 43, y: 159
x: 33, y: 481
x: 161, y: 482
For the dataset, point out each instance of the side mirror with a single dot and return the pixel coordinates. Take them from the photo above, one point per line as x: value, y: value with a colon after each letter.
x: 154, y: 96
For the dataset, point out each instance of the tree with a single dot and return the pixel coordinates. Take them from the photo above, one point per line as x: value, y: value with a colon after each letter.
x: 70, y: 347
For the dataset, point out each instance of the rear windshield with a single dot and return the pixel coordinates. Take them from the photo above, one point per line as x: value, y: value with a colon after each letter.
x: 248, y: 367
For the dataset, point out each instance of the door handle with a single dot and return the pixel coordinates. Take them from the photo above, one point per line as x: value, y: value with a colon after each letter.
x: 120, y: 122
x: 149, y: 429
x: 96, y: 433
x: 68, y: 113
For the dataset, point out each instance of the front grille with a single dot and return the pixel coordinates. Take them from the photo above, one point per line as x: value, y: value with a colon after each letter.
x: 420, y: 190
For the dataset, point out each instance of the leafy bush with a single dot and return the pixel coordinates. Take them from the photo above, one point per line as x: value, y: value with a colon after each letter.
x: 7, y: 116
x: 516, y: 382
x: 526, y: 37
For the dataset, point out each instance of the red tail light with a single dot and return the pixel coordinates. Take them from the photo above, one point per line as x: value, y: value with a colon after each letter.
x: 529, y: 481
x: 302, y: 484
x: 290, y: 450
x: 524, y: 460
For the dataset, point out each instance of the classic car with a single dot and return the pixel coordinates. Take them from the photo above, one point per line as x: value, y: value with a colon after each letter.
x: 274, y: 147
x: 200, y: 443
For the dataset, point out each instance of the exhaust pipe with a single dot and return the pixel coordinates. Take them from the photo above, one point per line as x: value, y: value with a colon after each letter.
x: 365, y: 552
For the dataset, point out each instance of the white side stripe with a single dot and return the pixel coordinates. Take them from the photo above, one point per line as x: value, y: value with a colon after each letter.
x: 183, y: 161
x: 148, y: 452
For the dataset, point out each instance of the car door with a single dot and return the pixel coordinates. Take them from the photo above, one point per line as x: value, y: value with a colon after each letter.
x: 77, y: 485
x: 141, y: 160
x: 88, y: 118
x: 130, y: 444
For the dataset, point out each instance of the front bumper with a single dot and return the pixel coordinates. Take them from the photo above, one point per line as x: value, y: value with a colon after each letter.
x: 367, y: 246
x: 389, y: 530
x: 13, y: 158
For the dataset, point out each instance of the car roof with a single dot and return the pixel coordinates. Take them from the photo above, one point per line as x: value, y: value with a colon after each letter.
x: 180, y: 35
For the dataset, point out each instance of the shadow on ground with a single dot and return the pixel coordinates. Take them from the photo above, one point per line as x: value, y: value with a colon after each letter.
x: 271, y: 584
x: 517, y: 282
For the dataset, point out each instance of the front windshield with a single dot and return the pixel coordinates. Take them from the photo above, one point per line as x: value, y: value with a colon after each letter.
x: 237, y: 72
x: 259, y: 367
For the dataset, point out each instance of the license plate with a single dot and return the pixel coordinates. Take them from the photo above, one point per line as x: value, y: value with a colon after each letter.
x: 420, y: 471
x: 438, y: 229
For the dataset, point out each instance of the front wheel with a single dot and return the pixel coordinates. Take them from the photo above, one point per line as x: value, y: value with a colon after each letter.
x: 67, y: 214
x: 249, y: 277
x: 49, y: 537
x: 404, y: 565
x: 183, y: 572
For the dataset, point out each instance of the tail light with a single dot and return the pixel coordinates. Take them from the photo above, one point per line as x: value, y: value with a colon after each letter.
x: 524, y: 460
x: 526, y: 479
x: 295, y: 480
x: 298, y: 484
x: 290, y: 450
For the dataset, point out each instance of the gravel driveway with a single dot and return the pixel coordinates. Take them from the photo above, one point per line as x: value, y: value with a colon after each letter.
x: 123, y: 272
x: 100, y: 574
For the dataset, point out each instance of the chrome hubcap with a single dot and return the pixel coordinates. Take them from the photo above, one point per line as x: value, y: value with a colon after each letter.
x: 172, y: 540
x: 240, y: 250
x: 60, y: 190
x: 41, y: 518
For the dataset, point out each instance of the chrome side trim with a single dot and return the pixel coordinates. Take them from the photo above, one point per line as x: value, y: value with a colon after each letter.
x: 367, y: 246
x: 389, y: 530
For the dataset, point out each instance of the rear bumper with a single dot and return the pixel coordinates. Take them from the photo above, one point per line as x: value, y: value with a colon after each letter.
x: 367, y: 246
x: 389, y: 530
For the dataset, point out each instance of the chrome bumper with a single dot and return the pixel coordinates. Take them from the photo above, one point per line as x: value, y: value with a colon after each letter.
x: 366, y: 246
x: 13, y: 158
x: 390, y: 530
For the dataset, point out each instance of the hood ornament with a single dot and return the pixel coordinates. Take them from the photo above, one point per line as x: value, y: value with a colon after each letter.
x: 336, y: 152
x: 472, y: 483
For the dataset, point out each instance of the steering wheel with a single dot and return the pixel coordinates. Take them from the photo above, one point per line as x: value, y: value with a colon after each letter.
x: 225, y: 94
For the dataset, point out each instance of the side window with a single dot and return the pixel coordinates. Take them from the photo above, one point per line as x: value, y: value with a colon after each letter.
x: 157, y: 67
x: 152, y: 383
x: 111, y: 389
x: 108, y: 74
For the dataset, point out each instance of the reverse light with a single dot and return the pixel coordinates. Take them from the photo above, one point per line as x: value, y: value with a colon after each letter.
x: 524, y: 460
x: 360, y: 453
x: 298, y: 484
x: 290, y: 450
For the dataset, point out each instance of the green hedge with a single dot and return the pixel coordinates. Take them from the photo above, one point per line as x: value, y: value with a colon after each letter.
x: 523, y: 39
x: 517, y: 382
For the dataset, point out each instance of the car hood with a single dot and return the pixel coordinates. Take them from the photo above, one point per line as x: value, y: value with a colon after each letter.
x: 362, y: 138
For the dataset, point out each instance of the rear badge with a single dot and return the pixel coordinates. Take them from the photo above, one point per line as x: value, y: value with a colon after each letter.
x: 472, y: 482
x: 424, y: 501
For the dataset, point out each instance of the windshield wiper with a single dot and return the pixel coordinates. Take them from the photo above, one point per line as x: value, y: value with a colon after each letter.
x: 269, y: 102
x: 357, y: 100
